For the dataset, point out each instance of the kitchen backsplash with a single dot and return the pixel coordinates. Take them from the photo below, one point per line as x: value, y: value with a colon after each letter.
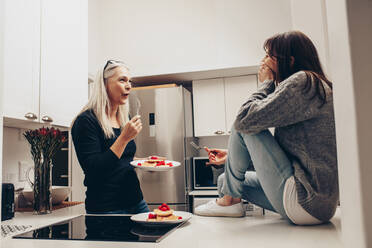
x: 16, y: 151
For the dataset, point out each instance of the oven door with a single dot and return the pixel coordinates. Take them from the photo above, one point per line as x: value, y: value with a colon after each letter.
x: 205, y: 177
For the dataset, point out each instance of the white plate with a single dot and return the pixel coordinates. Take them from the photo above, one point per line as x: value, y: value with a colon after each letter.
x: 149, y: 232
x: 142, y: 218
x: 157, y: 168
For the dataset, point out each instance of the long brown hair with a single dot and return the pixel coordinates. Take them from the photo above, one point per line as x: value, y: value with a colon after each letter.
x: 297, y: 45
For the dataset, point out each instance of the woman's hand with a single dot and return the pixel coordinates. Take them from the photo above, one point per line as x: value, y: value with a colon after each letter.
x: 129, y: 132
x: 265, y: 73
x: 132, y: 128
x: 216, y: 156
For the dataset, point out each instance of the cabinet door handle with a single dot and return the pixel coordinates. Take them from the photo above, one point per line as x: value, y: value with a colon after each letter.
x: 47, y: 118
x: 219, y: 132
x: 30, y: 116
x: 63, y: 176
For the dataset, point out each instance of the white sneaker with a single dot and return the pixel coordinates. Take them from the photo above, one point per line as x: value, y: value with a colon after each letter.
x: 211, y: 208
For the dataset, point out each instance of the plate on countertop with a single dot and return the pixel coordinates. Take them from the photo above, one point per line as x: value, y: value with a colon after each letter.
x: 139, y: 164
x: 142, y: 219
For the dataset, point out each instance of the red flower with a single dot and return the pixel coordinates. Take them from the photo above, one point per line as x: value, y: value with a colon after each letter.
x: 43, y: 131
x: 44, y: 142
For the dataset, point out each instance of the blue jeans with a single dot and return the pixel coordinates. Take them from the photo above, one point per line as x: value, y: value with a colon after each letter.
x: 263, y: 187
x: 141, y: 207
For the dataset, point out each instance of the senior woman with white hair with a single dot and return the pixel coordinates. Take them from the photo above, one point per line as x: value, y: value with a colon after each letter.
x: 103, y: 137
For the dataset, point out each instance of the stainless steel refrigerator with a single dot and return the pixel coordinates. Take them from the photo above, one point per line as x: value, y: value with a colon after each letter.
x: 166, y: 115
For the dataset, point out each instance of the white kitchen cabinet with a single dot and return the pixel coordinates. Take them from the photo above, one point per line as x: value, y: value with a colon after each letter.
x: 209, y: 107
x: 21, y: 59
x: 237, y: 91
x: 45, y: 60
x: 217, y: 101
x: 64, y: 59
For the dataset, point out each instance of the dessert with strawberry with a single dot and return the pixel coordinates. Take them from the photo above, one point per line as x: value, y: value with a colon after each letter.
x: 163, y: 213
x: 163, y: 210
x: 155, y: 161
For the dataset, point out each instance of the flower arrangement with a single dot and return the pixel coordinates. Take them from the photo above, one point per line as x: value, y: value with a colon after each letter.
x: 44, y: 142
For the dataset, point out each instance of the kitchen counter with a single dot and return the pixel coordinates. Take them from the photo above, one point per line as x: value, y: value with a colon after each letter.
x: 252, y: 231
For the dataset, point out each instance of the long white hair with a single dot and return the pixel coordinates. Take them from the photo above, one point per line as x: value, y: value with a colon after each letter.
x: 99, y: 102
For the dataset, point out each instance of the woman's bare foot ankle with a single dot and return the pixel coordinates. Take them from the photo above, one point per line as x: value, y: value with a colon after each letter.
x: 227, y: 200
x: 235, y: 201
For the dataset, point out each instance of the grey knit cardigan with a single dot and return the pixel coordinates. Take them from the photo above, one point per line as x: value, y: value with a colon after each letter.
x: 305, y: 129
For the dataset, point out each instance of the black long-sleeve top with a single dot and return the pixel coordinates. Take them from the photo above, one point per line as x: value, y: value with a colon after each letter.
x: 112, y: 183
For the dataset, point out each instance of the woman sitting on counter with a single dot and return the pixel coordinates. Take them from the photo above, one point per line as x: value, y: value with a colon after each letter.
x: 295, y: 171
x: 103, y: 138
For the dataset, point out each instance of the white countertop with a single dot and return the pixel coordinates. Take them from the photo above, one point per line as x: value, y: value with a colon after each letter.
x: 252, y: 231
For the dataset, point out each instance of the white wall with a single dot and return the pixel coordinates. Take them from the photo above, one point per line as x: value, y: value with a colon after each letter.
x: 95, y: 35
x: 15, y: 149
x: 310, y: 18
x: 167, y: 36
x: 350, y: 39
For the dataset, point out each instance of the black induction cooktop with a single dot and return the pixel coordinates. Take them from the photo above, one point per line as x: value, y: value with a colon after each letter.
x: 101, y: 228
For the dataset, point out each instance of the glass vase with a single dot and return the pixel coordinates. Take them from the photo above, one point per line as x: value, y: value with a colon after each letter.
x: 42, y: 186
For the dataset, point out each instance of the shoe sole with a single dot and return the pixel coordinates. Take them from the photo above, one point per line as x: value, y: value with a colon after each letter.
x: 221, y: 215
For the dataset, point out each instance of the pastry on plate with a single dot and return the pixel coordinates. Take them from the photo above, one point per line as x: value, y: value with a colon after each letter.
x: 155, y: 162
x: 163, y: 213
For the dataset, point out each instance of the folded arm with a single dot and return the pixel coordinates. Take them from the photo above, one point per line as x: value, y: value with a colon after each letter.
x: 286, y: 105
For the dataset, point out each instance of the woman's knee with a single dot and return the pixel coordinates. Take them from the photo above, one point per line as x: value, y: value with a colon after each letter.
x: 235, y: 132
x: 251, y: 137
x: 264, y: 134
x: 251, y: 179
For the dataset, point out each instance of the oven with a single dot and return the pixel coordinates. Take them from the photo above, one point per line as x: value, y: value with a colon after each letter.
x: 203, y: 176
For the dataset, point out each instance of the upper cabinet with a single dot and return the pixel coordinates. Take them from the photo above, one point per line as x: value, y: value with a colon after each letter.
x: 217, y: 102
x: 237, y: 91
x: 209, y: 107
x: 21, y: 59
x: 64, y: 59
x: 45, y: 64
